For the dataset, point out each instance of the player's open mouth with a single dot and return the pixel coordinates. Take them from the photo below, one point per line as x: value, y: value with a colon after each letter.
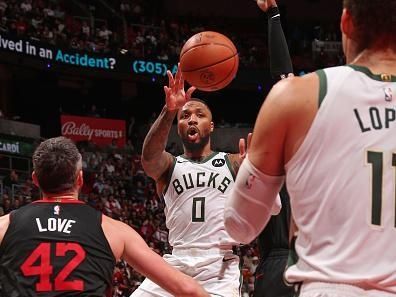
x: 192, y: 133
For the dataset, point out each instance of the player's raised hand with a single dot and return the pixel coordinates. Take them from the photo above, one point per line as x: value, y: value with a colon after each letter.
x: 175, y: 95
x: 266, y: 4
x: 243, y: 148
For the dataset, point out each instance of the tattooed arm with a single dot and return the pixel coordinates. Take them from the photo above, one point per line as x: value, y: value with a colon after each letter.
x: 155, y: 160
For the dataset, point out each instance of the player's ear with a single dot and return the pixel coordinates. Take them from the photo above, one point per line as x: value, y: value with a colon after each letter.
x: 80, y: 179
x: 35, y: 180
x: 211, y: 126
x: 347, y: 26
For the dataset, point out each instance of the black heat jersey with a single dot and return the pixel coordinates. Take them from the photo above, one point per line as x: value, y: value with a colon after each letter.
x: 55, y: 249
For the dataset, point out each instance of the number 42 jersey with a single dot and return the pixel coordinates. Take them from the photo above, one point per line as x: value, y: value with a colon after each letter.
x: 195, y: 197
x: 55, y: 249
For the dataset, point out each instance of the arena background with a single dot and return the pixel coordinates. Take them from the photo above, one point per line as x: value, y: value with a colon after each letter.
x: 123, y: 48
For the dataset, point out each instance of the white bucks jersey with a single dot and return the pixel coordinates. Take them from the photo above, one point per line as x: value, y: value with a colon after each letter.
x: 195, y: 199
x: 342, y: 183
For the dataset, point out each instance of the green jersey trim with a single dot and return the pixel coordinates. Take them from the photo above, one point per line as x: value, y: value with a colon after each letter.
x: 380, y: 77
x: 169, y: 177
x: 322, y: 86
x: 206, y: 159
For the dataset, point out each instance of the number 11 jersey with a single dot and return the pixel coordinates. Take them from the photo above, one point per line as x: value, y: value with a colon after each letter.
x: 341, y: 183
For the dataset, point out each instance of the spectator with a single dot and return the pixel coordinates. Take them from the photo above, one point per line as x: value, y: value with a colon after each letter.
x: 85, y: 29
x: 10, y: 179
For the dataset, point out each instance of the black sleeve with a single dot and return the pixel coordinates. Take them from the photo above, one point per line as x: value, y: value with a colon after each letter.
x: 279, y: 56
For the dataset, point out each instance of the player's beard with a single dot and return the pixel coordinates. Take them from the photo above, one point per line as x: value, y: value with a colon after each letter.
x: 196, y: 146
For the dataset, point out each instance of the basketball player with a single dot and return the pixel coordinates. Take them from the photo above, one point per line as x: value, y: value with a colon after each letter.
x: 195, y: 187
x: 273, y: 241
x: 332, y: 133
x: 60, y: 246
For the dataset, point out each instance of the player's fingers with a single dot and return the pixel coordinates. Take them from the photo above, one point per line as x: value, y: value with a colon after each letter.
x: 189, y: 92
x: 181, y: 82
x: 170, y: 78
x: 178, y: 76
x: 166, y: 90
x: 242, y: 147
x: 262, y: 4
x: 167, y: 93
x: 170, y: 105
x: 249, y: 140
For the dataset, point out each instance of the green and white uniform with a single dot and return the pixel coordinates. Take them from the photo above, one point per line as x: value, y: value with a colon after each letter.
x: 341, y: 183
x: 195, y: 199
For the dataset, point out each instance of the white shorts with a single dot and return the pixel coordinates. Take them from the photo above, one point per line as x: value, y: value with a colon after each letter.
x: 216, y: 270
x: 319, y: 289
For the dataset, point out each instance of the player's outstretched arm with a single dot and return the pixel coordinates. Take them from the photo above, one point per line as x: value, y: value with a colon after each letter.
x: 281, y: 125
x: 260, y: 176
x: 155, y: 160
x: 127, y: 244
x: 279, y: 56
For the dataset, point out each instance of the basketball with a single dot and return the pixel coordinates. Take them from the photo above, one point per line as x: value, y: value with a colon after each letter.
x: 209, y: 61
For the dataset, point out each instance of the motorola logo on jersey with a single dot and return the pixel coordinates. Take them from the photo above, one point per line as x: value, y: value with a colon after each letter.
x: 218, y: 162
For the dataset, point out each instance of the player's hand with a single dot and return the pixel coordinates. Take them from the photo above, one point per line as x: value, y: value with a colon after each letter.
x: 175, y: 96
x: 283, y: 76
x: 243, y: 148
x: 266, y: 4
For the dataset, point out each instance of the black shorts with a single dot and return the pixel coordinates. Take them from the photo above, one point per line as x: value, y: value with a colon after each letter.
x: 269, y: 280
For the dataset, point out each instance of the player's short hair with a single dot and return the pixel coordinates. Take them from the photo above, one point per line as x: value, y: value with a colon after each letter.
x: 375, y: 22
x: 200, y: 101
x: 56, y: 162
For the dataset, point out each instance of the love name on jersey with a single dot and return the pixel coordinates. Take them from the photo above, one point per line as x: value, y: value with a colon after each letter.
x: 199, y: 180
x: 379, y: 119
x: 55, y: 225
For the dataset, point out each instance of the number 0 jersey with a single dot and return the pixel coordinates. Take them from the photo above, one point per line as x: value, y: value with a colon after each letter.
x: 55, y: 249
x: 341, y: 183
x: 195, y: 199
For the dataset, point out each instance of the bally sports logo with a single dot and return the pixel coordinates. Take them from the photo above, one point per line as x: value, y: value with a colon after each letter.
x: 99, y: 131
x: 71, y: 128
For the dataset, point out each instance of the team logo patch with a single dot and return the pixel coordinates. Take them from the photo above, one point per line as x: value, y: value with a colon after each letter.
x: 56, y: 210
x: 218, y: 162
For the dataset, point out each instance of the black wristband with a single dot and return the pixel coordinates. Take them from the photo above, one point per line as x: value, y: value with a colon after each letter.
x: 272, y: 11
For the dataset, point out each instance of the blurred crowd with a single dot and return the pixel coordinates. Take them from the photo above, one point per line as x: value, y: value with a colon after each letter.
x: 138, y: 29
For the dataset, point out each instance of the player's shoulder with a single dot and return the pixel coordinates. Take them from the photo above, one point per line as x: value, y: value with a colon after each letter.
x: 291, y: 99
x: 112, y: 225
x: 4, y: 223
x: 289, y: 93
x: 295, y: 83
